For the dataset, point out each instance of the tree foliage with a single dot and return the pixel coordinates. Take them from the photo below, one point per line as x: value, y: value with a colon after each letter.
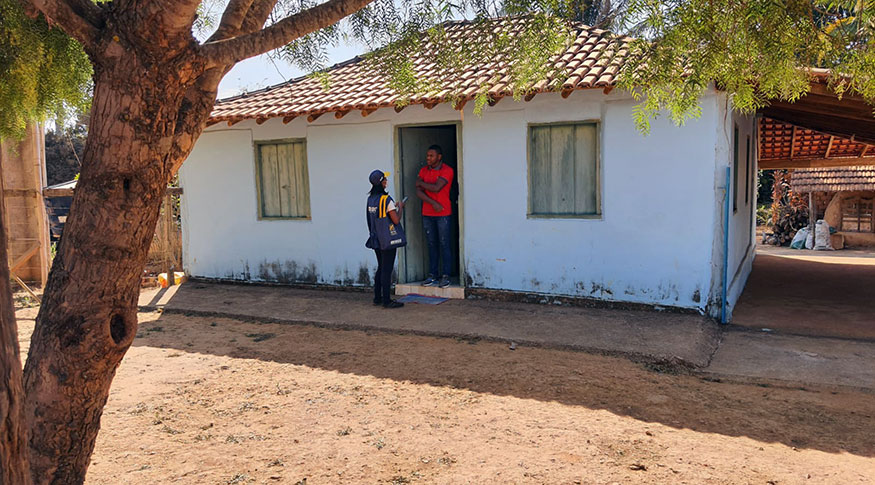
x: 44, y: 73
x: 756, y: 50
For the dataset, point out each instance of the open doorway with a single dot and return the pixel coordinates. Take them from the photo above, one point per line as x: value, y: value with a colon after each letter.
x: 412, y: 142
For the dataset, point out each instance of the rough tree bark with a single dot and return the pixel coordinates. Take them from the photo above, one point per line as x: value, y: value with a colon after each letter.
x: 154, y: 88
x: 88, y: 316
x: 13, y: 433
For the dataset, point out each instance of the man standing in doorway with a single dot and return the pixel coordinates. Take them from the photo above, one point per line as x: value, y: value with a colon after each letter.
x: 433, y: 187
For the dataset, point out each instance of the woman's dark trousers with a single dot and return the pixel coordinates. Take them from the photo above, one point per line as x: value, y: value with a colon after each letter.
x: 383, y: 277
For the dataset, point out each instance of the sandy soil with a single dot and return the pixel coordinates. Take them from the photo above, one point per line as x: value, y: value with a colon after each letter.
x: 218, y: 401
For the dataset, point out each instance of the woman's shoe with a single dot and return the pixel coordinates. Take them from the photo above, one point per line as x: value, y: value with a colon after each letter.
x: 393, y: 304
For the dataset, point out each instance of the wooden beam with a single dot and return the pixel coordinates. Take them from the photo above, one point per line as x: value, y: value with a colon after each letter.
x: 340, y: 114
x: 786, y: 163
x: 399, y: 109
x: 57, y: 192
x: 314, y: 117
x: 211, y: 123
x: 430, y: 105
x: 460, y: 105
x: 566, y: 93
x: 288, y: 119
x: 26, y: 288
x: 368, y: 112
x: 608, y: 89
x: 829, y: 106
x: 865, y: 149
x: 494, y: 101
x: 234, y: 122
x: 20, y: 193
x: 793, y: 143
x: 863, y: 131
x: 530, y: 97
x: 829, y: 146
x: 24, y: 258
x: 260, y: 121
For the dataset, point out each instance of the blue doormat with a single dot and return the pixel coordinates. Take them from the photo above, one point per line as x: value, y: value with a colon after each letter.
x: 422, y: 299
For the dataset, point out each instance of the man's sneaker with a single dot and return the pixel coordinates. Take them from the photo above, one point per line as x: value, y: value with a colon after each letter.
x: 393, y: 304
x: 429, y: 281
x: 445, y: 281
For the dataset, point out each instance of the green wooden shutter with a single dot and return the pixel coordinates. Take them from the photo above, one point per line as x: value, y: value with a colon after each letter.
x: 586, y: 177
x: 541, y: 178
x: 283, y: 180
x: 270, y: 191
x: 563, y: 170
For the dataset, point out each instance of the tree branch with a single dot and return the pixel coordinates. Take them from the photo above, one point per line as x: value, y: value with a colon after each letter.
x: 178, y: 15
x: 80, y: 19
x: 231, y: 51
x: 232, y: 20
x: 257, y: 16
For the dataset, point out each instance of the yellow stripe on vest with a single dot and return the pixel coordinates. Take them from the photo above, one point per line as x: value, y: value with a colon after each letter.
x: 383, y: 205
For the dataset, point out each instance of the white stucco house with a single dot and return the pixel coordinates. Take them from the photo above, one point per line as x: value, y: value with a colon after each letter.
x: 556, y: 194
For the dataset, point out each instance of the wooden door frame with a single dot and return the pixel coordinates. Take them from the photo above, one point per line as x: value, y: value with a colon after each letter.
x: 396, y: 143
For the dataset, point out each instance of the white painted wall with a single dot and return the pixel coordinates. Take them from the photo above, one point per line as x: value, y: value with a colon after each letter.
x: 742, y: 243
x: 653, y: 243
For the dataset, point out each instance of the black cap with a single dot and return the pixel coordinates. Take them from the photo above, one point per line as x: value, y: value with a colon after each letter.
x: 377, y: 176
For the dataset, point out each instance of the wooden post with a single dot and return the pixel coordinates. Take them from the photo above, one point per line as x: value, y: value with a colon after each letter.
x: 168, y: 234
x: 45, y: 238
x: 13, y: 429
x: 812, y: 217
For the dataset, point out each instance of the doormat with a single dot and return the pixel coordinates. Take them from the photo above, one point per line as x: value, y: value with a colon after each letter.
x: 422, y: 299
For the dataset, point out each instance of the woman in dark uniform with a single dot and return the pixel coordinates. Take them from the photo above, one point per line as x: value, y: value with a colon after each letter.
x: 385, y: 257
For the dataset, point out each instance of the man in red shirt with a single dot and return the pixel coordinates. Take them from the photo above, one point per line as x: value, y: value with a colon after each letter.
x: 433, y: 187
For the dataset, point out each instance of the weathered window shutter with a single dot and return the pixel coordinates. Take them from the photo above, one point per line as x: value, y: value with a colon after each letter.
x: 564, y: 170
x: 284, y: 187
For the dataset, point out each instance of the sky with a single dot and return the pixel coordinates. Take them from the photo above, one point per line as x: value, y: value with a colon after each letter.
x: 260, y: 72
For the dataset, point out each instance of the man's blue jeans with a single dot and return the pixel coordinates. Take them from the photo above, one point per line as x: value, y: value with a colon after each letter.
x: 437, y: 235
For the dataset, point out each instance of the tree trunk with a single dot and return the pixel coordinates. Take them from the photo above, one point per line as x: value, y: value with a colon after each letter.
x: 88, y: 317
x: 13, y: 434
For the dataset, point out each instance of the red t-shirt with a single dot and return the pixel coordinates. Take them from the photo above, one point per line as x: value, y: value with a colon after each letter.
x: 442, y: 197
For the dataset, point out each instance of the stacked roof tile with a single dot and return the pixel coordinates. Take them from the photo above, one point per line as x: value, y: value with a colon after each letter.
x: 833, y: 179
x: 592, y: 59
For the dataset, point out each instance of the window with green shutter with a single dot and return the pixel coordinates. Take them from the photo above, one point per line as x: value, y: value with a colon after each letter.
x: 282, y: 178
x: 564, y: 170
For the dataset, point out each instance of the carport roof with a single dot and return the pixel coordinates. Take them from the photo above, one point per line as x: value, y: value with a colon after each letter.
x: 846, y: 115
x: 783, y: 143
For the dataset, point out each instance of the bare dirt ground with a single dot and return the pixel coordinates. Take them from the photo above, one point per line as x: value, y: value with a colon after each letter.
x: 818, y: 293
x: 219, y: 401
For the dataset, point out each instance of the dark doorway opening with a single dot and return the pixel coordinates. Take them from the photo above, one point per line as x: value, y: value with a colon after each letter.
x: 412, y: 144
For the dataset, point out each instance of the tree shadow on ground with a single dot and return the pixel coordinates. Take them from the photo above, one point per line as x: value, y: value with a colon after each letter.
x: 832, y: 421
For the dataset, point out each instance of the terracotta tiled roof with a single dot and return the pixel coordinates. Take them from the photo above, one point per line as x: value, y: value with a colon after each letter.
x: 833, y: 179
x: 776, y: 140
x: 592, y: 60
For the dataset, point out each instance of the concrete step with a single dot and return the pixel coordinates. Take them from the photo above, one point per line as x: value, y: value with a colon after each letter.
x: 453, y: 292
